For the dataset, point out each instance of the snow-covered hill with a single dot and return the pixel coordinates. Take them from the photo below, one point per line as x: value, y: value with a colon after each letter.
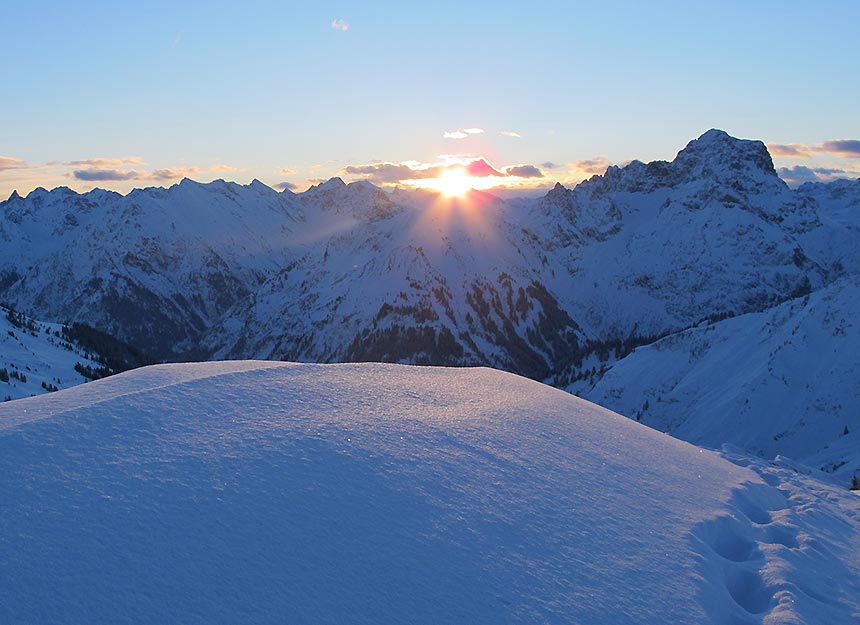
x: 263, y: 492
x: 784, y: 381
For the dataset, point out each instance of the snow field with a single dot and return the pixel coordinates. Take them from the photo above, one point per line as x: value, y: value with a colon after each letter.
x: 268, y: 493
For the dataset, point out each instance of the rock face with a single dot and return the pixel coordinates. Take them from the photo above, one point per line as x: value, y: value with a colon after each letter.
x: 548, y: 288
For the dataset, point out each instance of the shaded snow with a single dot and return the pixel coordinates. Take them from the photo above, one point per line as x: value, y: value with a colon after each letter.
x: 267, y: 493
x: 784, y: 381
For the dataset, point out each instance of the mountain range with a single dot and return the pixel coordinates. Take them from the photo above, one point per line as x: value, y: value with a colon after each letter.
x: 648, y: 289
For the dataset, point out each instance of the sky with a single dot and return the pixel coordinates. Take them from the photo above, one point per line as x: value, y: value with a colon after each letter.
x: 120, y: 95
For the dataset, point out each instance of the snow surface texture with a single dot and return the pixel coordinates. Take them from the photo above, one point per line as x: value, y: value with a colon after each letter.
x: 784, y: 381
x: 252, y: 492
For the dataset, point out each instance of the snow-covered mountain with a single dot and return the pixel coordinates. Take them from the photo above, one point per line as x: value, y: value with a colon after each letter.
x: 350, y: 272
x: 407, y: 277
x: 156, y: 268
x: 266, y: 493
x: 557, y: 288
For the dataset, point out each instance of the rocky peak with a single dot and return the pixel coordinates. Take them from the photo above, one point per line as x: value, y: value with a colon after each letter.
x: 716, y: 153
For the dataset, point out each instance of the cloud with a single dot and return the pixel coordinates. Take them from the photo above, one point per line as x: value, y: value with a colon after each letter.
x: 174, y: 173
x: 842, y: 147
x: 91, y: 175
x: 411, y: 171
x: 286, y: 185
x: 339, y: 24
x: 221, y: 167
x: 550, y: 165
x: 105, y: 163
x: 796, y: 150
x: 524, y: 171
x: 596, y: 165
x: 462, y: 133
x: 391, y: 173
x: 510, y: 133
x: 798, y: 174
x: 849, y: 148
x: 7, y: 162
x: 286, y: 171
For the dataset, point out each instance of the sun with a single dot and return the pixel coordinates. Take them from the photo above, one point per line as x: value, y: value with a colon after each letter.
x: 454, y: 182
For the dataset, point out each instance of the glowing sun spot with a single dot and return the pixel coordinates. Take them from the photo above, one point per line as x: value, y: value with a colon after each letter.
x: 454, y: 182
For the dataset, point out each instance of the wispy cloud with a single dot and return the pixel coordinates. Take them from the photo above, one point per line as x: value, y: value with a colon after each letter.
x: 842, y: 147
x: 462, y: 133
x: 795, y: 150
x: 476, y: 167
x: 7, y: 162
x: 798, y: 174
x: 510, y: 133
x: 174, y: 173
x: 596, y: 165
x: 849, y: 148
x: 104, y: 163
x: 340, y: 24
x: 222, y: 167
x: 92, y: 175
x: 550, y: 165
x: 391, y: 173
x: 101, y: 174
x: 286, y: 171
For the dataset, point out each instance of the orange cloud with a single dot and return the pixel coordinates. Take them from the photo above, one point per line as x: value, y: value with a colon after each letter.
x: 7, y: 162
x: 849, y: 148
x: 104, y: 163
x: 795, y: 150
x: 221, y: 167
x: 174, y: 173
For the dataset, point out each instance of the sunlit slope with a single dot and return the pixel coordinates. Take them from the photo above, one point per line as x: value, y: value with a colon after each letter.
x: 268, y: 493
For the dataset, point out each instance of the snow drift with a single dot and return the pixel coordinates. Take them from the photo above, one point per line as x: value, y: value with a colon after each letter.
x: 261, y: 492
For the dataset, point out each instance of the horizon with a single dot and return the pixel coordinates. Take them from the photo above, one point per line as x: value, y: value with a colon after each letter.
x: 501, y: 191
x: 519, y: 100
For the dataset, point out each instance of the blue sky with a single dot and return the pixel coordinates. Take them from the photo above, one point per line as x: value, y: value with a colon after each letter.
x: 119, y: 95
